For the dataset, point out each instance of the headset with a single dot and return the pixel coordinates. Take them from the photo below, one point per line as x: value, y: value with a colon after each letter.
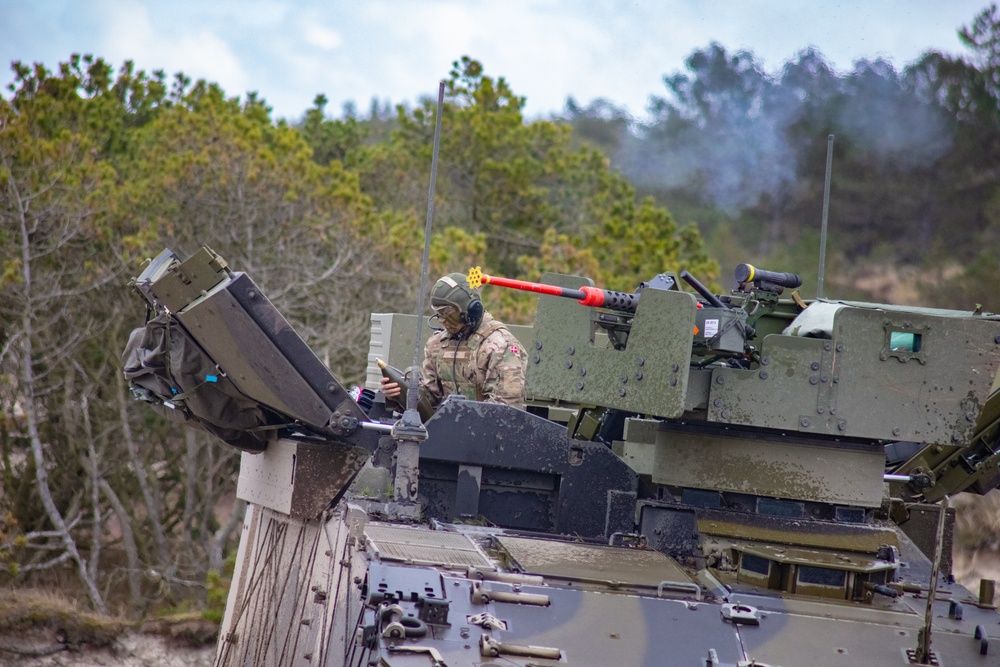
x: 473, y: 315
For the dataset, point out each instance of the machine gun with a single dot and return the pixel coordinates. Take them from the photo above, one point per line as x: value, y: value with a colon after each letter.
x: 722, y: 328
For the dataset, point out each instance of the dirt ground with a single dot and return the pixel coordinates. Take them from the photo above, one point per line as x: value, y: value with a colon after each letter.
x: 131, y: 649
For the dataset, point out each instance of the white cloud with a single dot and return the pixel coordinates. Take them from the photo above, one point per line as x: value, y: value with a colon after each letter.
x: 130, y: 33
x: 323, y: 38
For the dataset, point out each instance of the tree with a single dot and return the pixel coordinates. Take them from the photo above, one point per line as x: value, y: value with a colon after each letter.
x: 512, y: 188
x: 60, y: 250
x: 215, y: 172
x: 982, y: 37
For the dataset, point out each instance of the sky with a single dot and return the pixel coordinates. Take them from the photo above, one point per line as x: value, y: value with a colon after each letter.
x: 396, y: 51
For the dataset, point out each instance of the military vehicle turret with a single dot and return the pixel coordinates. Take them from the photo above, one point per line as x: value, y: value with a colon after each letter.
x: 699, y: 480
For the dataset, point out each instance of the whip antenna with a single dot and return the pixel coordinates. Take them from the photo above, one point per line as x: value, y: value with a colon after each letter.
x: 413, y: 391
x: 826, y: 216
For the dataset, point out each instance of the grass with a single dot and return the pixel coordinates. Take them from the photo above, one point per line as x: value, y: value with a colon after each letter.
x: 31, y: 610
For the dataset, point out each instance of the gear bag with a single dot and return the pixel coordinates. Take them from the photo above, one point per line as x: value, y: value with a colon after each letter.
x: 168, y: 369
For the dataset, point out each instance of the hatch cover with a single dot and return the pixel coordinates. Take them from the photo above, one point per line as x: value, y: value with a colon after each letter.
x: 425, y: 547
x: 592, y: 562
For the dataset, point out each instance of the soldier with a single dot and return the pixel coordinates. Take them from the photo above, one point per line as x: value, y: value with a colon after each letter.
x: 474, y: 355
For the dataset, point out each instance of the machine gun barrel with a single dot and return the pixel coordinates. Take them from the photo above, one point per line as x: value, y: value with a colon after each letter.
x: 586, y: 295
x: 702, y: 290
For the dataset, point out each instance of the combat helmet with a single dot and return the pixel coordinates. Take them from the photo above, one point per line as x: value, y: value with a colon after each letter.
x: 454, y: 290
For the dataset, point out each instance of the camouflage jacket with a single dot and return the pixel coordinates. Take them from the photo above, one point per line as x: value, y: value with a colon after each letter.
x: 488, y: 366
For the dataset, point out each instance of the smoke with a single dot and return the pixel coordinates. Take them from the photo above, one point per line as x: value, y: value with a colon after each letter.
x: 733, y: 134
x: 888, y: 121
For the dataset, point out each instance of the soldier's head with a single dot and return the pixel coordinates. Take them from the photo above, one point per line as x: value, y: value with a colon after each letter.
x: 457, y: 305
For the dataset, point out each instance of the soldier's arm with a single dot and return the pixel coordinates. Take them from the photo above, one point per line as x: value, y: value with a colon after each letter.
x: 429, y: 373
x: 504, y: 381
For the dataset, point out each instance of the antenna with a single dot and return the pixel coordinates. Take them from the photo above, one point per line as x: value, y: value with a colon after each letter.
x: 826, y: 217
x: 409, y: 431
x: 413, y: 391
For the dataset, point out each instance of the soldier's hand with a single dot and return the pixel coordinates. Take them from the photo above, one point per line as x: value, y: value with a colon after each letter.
x: 389, y: 388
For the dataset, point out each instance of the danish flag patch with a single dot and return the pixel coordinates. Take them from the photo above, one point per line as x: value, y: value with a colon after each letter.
x: 514, y: 349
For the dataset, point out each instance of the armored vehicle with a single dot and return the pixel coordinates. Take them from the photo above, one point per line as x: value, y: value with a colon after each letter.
x: 699, y: 480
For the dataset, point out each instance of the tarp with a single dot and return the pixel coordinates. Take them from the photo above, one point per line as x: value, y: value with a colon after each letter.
x: 169, y: 370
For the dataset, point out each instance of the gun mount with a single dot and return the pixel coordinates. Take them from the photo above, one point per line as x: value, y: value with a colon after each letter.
x: 735, y: 480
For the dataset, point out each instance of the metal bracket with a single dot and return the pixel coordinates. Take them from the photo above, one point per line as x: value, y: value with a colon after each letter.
x: 491, y: 648
x: 741, y: 614
x: 482, y: 595
x: 679, y: 587
x: 487, y: 620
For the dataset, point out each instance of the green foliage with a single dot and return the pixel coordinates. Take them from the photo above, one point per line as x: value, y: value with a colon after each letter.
x: 509, y: 192
x: 982, y: 37
x: 217, y: 584
x: 334, y: 139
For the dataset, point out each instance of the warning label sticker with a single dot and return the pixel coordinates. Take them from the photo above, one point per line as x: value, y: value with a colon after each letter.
x: 711, y: 328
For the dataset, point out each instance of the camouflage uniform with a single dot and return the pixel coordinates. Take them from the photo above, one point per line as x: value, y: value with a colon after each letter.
x: 488, y: 366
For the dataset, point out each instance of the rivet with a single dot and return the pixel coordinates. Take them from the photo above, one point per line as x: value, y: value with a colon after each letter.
x: 717, y: 402
x: 896, y: 431
x: 623, y: 378
x: 251, y: 294
x: 536, y: 359
x: 970, y: 415
x: 640, y: 362
x: 725, y: 414
x: 331, y: 387
x: 814, y: 365
x: 673, y: 382
x: 824, y: 378
x: 840, y: 347
x: 579, y: 385
x: 569, y: 363
x: 827, y: 346
x: 814, y: 380
x: 674, y: 367
x: 570, y: 350
x: 638, y: 375
x: 842, y: 425
x: 883, y: 356
x: 538, y: 344
x: 763, y: 375
x: 820, y: 410
x: 721, y: 379
x: 804, y: 422
x: 621, y: 392
x: 765, y: 361
x: 583, y: 372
